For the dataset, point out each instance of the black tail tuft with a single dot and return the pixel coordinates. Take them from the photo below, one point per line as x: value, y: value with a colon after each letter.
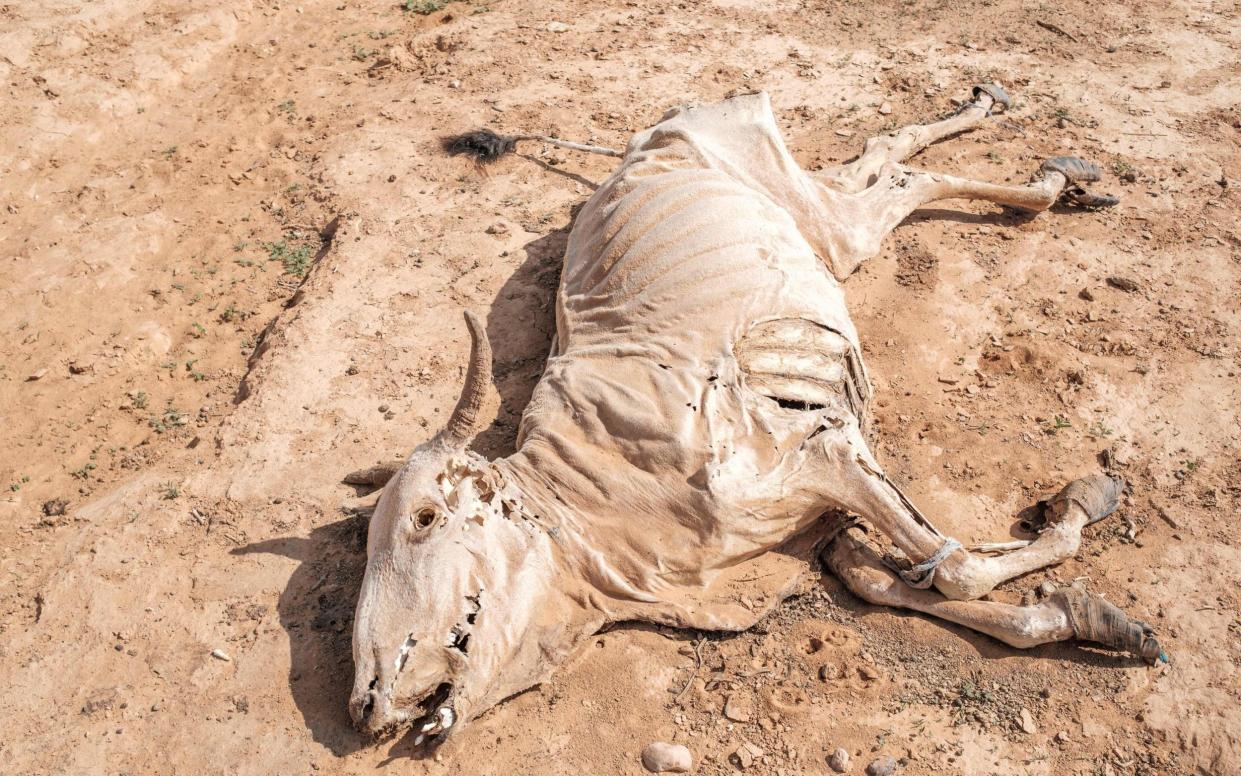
x: 481, y: 145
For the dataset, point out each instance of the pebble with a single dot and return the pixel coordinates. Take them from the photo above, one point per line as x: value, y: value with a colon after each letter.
x: 736, y: 709
x: 498, y: 227
x: 661, y: 757
x: 838, y: 761
x: 745, y: 755
x: 557, y: 27
x: 881, y: 767
x: 220, y: 654
x: 1027, y: 722
x: 885, y: 109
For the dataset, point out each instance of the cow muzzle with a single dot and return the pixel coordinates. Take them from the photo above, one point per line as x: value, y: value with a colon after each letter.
x: 430, y: 717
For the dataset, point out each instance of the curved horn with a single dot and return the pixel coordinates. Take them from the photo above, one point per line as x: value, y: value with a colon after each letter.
x: 463, y: 424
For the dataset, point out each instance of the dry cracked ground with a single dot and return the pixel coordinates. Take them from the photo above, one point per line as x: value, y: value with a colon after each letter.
x: 232, y: 265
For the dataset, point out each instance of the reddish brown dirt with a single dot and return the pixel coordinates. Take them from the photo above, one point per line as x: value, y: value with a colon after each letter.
x: 171, y: 171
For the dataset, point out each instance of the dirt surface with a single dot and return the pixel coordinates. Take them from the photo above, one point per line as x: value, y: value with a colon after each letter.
x: 232, y: 265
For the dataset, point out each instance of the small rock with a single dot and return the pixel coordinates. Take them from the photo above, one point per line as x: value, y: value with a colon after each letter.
x: 557, y: 27
x: 881, y: 767
x: 498, y: 227
x: 383, y: 407
x: 1062, y: 736
x: 885, y: 109
x: 737, y: 709
x: 36, y: 375
x: 80, y: 368
x: 742, y: 758
x: 220, y: 654
x: 838, y: 761
x: 660, y: 757
x: 844, y: 132
x: 55, y: 507
x: 1128, y: 285
x: 1027, y: 722
x: 1085, y: 294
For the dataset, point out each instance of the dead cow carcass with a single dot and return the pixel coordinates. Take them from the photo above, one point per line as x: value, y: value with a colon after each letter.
x: 704, y: 402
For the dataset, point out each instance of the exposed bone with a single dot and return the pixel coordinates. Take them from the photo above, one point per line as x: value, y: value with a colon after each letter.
x: 446, y: 717
x: 1016, y: 544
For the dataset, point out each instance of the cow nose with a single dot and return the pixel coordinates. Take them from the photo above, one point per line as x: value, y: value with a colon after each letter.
x: 362, y: 707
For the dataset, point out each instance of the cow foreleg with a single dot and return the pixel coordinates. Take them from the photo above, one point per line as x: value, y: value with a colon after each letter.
x: 1065, y: 614
x: 941, y: 561
x: 897, y: 146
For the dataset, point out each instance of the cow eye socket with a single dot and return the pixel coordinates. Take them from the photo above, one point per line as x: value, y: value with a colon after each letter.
x: 424, y: 517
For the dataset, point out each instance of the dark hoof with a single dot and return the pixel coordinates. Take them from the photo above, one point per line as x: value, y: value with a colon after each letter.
x: 1098, y: 495
x: 1075, y: 169
x: 1002, y: 101
x: 1079, y: 196
x: 1095, y: 619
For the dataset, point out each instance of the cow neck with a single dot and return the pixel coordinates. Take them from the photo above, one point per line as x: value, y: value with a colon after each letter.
x: 603, y: 586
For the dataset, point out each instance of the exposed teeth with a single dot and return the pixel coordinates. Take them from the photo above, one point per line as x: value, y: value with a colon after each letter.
x: 432, y: 725
x: 418, y: 741
x: 446, y: 717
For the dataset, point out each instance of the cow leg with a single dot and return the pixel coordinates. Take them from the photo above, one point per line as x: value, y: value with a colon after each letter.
x: 901, y: 190
x: 1065, y: 614
x: 933, y: 558
x: 869, y: 216
x: 904, y: 143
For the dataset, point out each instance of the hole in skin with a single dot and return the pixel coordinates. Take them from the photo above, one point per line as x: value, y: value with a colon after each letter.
x: 403, y: 655
x: 796, y: 404
x: 459, y: 639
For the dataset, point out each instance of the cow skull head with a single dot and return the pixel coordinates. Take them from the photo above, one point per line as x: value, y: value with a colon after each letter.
x: 460, y: 606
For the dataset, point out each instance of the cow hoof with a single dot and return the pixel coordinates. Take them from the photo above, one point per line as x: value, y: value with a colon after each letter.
x: 1098, y: 495
x: 1077, y: 171
x: 1088, y: 199
x: 1002, y: 101
x: 1095, y: 619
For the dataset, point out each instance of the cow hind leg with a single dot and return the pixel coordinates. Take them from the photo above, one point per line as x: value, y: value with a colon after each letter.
x: 1065, y: 614
x: 898, y: 146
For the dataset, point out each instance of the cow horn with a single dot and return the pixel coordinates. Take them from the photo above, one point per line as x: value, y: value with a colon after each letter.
x: 463, y: 424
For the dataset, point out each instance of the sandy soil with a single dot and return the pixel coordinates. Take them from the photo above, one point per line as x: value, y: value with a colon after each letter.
x: 231, y: 269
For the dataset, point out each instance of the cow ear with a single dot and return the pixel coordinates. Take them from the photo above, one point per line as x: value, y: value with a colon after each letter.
x: 374, y: 476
